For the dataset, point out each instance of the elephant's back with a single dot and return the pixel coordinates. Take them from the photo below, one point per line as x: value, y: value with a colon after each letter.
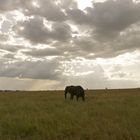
x: 79, y: 89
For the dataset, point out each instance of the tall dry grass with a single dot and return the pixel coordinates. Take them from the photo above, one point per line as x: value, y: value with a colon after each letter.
x: 105, y: 115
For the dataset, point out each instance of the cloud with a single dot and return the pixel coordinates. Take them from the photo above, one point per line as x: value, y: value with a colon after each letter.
x: 51, y: 10
x: 5, y: 5
x: 61, y: 32
x: 114, y: 16
x: 9, y: 56
x: 36, y: 70
x: 78, y: 16
x: 107, y: 18
x: 35, y: 31
x: 10, y: 48
x: 3, y: 37
x: 104, y: 30
x: 10, y: 5
x: 43, y: 52
x: 6, y: 25
x: 45, y: 39
x: 44, y: 8
x: 90, y: 75
x: 67, y: 4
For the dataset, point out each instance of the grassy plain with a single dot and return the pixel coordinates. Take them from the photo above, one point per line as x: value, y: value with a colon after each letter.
x: 45, y: 115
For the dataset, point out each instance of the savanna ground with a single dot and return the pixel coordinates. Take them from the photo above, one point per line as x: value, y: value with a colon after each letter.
x: 105, y: 115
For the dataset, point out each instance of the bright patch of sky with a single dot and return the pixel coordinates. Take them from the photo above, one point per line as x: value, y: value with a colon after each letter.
x: 82, y: 4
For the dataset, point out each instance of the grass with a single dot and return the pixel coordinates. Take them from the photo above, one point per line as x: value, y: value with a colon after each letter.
x: 105, y: 115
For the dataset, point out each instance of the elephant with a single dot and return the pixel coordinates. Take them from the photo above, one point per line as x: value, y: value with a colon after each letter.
x: 77, y: 91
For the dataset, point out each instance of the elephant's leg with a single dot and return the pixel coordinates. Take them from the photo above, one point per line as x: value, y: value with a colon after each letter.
x: 77, y: 97
x: 71, y: 96
x: 83, y: 97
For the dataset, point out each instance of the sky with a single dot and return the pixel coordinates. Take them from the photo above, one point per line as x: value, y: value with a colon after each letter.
x: 47, y: 44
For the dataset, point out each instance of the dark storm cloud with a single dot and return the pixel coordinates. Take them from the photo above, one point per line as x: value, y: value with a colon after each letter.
x: 36, y: 70
x: 34, y: 30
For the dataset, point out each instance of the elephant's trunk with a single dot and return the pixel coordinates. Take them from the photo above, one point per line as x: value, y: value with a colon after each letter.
x: 65, y: 94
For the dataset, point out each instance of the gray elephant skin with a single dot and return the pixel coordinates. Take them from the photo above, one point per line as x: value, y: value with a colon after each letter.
x: 77, y: 91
